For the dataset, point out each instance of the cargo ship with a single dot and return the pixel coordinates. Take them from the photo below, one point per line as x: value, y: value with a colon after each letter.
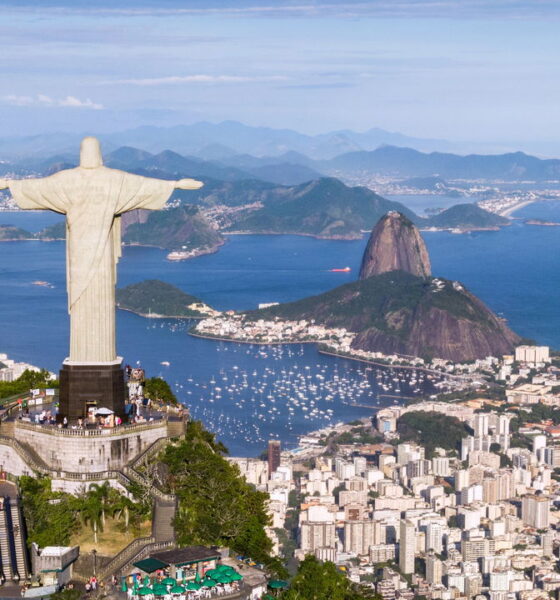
x: 345, y: 270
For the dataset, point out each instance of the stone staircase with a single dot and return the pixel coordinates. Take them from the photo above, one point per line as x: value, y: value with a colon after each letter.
x: 162, y: 520
x: 6, y: 561
x: 31, y: 458
x: 19, y: 541
x: 14, y: 562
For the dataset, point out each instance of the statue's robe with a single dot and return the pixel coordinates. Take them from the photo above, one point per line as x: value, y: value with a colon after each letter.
x: 92, y: 200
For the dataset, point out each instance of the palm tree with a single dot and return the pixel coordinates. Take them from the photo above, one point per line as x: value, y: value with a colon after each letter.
x: 100, y: 494
x: 92, y: 512
x: 120, y: 508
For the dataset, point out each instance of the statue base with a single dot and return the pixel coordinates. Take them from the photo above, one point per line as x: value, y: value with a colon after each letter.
x: 85, y: 387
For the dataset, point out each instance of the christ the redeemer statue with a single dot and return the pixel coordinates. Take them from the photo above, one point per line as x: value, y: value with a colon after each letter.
x: 93, y: 198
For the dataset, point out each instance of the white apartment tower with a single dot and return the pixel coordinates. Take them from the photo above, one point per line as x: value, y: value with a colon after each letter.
x: 535, y: 511
x: 434, y: 569
x: 407, y: 546
x: 434, y: 537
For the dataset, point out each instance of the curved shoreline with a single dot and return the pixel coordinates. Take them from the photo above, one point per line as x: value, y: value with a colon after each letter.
x: 234, y: 341
x: 509, y: 211
x: 158, y: 316
x: 328, y: 353
x: 341, y: 238
x: 389, y: 366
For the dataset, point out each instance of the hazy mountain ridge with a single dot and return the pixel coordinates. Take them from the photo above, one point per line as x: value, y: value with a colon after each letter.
x: 398, y: 162
x: 180, y: 228
x: 220, y: 140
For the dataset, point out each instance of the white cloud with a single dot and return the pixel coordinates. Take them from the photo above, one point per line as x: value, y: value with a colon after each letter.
x: 44, y: 100
x: 174, y: 79
x: 19, y: 100
x: 77, y: 103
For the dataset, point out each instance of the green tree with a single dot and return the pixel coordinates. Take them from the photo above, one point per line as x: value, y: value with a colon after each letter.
x: 28, y: 380
x: 50, y: 517
x: 158, y: 389
x: 216, y: 504
x: 431, y: 430
x: 91, y: 512
x: 321, y: 581
x: 66, y: 594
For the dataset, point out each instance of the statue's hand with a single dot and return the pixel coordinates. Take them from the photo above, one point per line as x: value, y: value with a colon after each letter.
x: 187, y: 184
x: 4, y: 184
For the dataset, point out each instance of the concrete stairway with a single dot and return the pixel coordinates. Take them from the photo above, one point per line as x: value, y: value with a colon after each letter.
x: 18, y: 540
x: 162, y: 520
x: 5, y: 554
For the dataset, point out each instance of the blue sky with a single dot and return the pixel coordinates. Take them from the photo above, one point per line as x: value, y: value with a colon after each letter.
x: 483, y: 70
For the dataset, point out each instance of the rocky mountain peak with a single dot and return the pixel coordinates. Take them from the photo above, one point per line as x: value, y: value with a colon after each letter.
x: 395, y: 244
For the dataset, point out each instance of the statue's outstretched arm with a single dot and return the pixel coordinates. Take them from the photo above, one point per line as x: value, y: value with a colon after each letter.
x: 188, y: 184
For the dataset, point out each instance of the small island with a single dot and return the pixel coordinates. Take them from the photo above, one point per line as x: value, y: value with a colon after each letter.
x: 156, y: 299
x: 541, y: 223
x: 10, y: 233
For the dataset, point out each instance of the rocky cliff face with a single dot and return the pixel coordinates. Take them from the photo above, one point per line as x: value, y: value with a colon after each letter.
x: 461, y: 328
x: 395, y: 244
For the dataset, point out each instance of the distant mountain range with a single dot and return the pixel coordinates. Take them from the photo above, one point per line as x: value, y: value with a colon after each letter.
x: 220, y: 141
x: 396, y: 162
x: 179, y: 228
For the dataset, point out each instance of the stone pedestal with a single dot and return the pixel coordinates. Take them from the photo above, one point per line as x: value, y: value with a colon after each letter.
x: 97, y: 385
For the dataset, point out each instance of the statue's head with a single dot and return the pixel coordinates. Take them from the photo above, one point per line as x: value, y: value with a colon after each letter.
x: 90, y: 153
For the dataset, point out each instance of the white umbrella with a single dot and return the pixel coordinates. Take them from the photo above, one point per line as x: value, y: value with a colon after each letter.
x: 104, y: 412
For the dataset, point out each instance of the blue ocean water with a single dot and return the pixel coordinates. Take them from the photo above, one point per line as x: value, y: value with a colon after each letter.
x: 249, y: 393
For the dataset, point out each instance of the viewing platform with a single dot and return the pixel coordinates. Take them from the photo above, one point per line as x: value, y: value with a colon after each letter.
x: 73, y: 455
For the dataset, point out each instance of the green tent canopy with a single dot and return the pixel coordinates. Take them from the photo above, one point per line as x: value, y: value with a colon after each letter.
x: 144, y: 591
x: 277, y: 584
x: 177, y: 589
x: 224, y: 568
x: 235, y: 576
x: 149, y: 565
x: 208, y: 583
x: 212, y: 572
x: 193, y: 585
x: 160, y: 589
x: 169, y: 581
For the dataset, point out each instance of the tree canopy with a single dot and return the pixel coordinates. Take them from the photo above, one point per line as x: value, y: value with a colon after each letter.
x: 216, y: 504
x: 317, y: 580
x: 431, y: 430
x: 28, y: 380
x: 157, y: 388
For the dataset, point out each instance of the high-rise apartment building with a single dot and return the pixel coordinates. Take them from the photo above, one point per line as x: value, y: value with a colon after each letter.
x: 273, y: 456
x: 407, y: 546
x: 535, y: 511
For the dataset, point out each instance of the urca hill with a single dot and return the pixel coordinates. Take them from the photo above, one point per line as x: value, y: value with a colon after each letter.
x: 398, y: 307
